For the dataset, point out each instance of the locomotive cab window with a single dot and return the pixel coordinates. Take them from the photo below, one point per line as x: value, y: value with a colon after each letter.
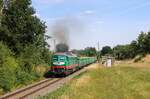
x: 62, y: 58
x: 55, y: 59
x: 59, y: 58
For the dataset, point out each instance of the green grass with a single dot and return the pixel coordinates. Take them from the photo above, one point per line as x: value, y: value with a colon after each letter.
x: 108, y: 83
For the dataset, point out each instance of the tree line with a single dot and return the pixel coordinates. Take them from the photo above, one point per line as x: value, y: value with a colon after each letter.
x: 23, y: 48
x: 140, y: 46
x: 87, y: 52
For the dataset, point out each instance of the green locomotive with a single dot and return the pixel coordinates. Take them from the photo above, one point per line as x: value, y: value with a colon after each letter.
x: 66, y: 63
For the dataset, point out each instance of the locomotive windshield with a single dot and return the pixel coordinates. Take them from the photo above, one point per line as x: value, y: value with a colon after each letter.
x: 59, y: 58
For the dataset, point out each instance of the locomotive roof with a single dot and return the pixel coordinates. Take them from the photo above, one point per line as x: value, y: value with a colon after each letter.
x: 69, y: 54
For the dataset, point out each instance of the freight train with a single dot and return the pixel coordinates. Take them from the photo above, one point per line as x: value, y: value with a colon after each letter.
x: 67, y: 63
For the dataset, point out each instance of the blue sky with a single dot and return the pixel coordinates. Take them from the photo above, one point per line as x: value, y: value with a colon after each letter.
x: 109, y: 22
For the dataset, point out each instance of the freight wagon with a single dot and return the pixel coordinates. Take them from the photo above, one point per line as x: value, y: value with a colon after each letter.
x: 66, y: 63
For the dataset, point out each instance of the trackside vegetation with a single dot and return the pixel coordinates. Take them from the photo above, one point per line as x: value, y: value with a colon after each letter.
x: 123, y: 81
x: 24, y: 54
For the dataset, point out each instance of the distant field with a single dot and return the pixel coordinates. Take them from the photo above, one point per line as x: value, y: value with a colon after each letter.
x: 126, y: 80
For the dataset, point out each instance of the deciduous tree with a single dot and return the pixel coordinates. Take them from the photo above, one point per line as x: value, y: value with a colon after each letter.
x: 20, y: 26
x: 106, y: 50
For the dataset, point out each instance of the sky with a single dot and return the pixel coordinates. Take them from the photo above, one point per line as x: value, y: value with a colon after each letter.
x: 109, y: 22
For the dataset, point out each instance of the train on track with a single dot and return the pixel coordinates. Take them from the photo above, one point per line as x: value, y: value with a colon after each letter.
x: 67, y: 63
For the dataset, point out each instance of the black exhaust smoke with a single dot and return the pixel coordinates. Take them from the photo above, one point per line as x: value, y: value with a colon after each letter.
x: 62, y: 29
x: 62, y: 48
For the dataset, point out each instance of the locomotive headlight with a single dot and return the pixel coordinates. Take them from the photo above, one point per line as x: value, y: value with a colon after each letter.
x: 55, y: 63
x: 61, y: 63
x: 58, y: 63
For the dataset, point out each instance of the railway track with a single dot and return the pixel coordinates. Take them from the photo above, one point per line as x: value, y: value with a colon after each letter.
x: 41, y: 88
x: 31, y: 89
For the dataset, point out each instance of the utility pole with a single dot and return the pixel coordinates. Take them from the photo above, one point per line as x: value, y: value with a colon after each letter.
x: 54, y: 45
x: 98, y: 53
x: 98, y: 46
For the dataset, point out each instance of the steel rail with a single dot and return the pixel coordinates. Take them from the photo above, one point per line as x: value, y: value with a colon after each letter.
x: 30, y: 87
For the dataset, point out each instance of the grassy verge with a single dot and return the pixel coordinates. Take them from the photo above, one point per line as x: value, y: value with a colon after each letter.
x: 118, y: 82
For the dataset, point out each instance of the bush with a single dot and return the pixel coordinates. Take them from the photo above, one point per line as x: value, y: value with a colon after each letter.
x: 139, y: 58
x: 8, y: 66
x: 23, y: 78
x: 21, y: 70
x: 7, y: 79
x: 30, y: 57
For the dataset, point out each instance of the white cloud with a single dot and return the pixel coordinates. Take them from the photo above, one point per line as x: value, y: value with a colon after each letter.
x: 86, y: 13
x: 89, y: 12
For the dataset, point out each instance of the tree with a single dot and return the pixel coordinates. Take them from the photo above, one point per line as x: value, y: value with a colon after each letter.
x: 80, y: 52
x: 24, y: 32
x: 90, y: 51
x: 106, y: 50
x: 20, y: 26
x: 141, y: 46
x: 142, y: 43
x: 1, y: 1
x: 1, y: 5
x: 118, y: 51
x: 23, y: 47
x: 147, y: 42
x: 134, y: 48
x: 127, y: 51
